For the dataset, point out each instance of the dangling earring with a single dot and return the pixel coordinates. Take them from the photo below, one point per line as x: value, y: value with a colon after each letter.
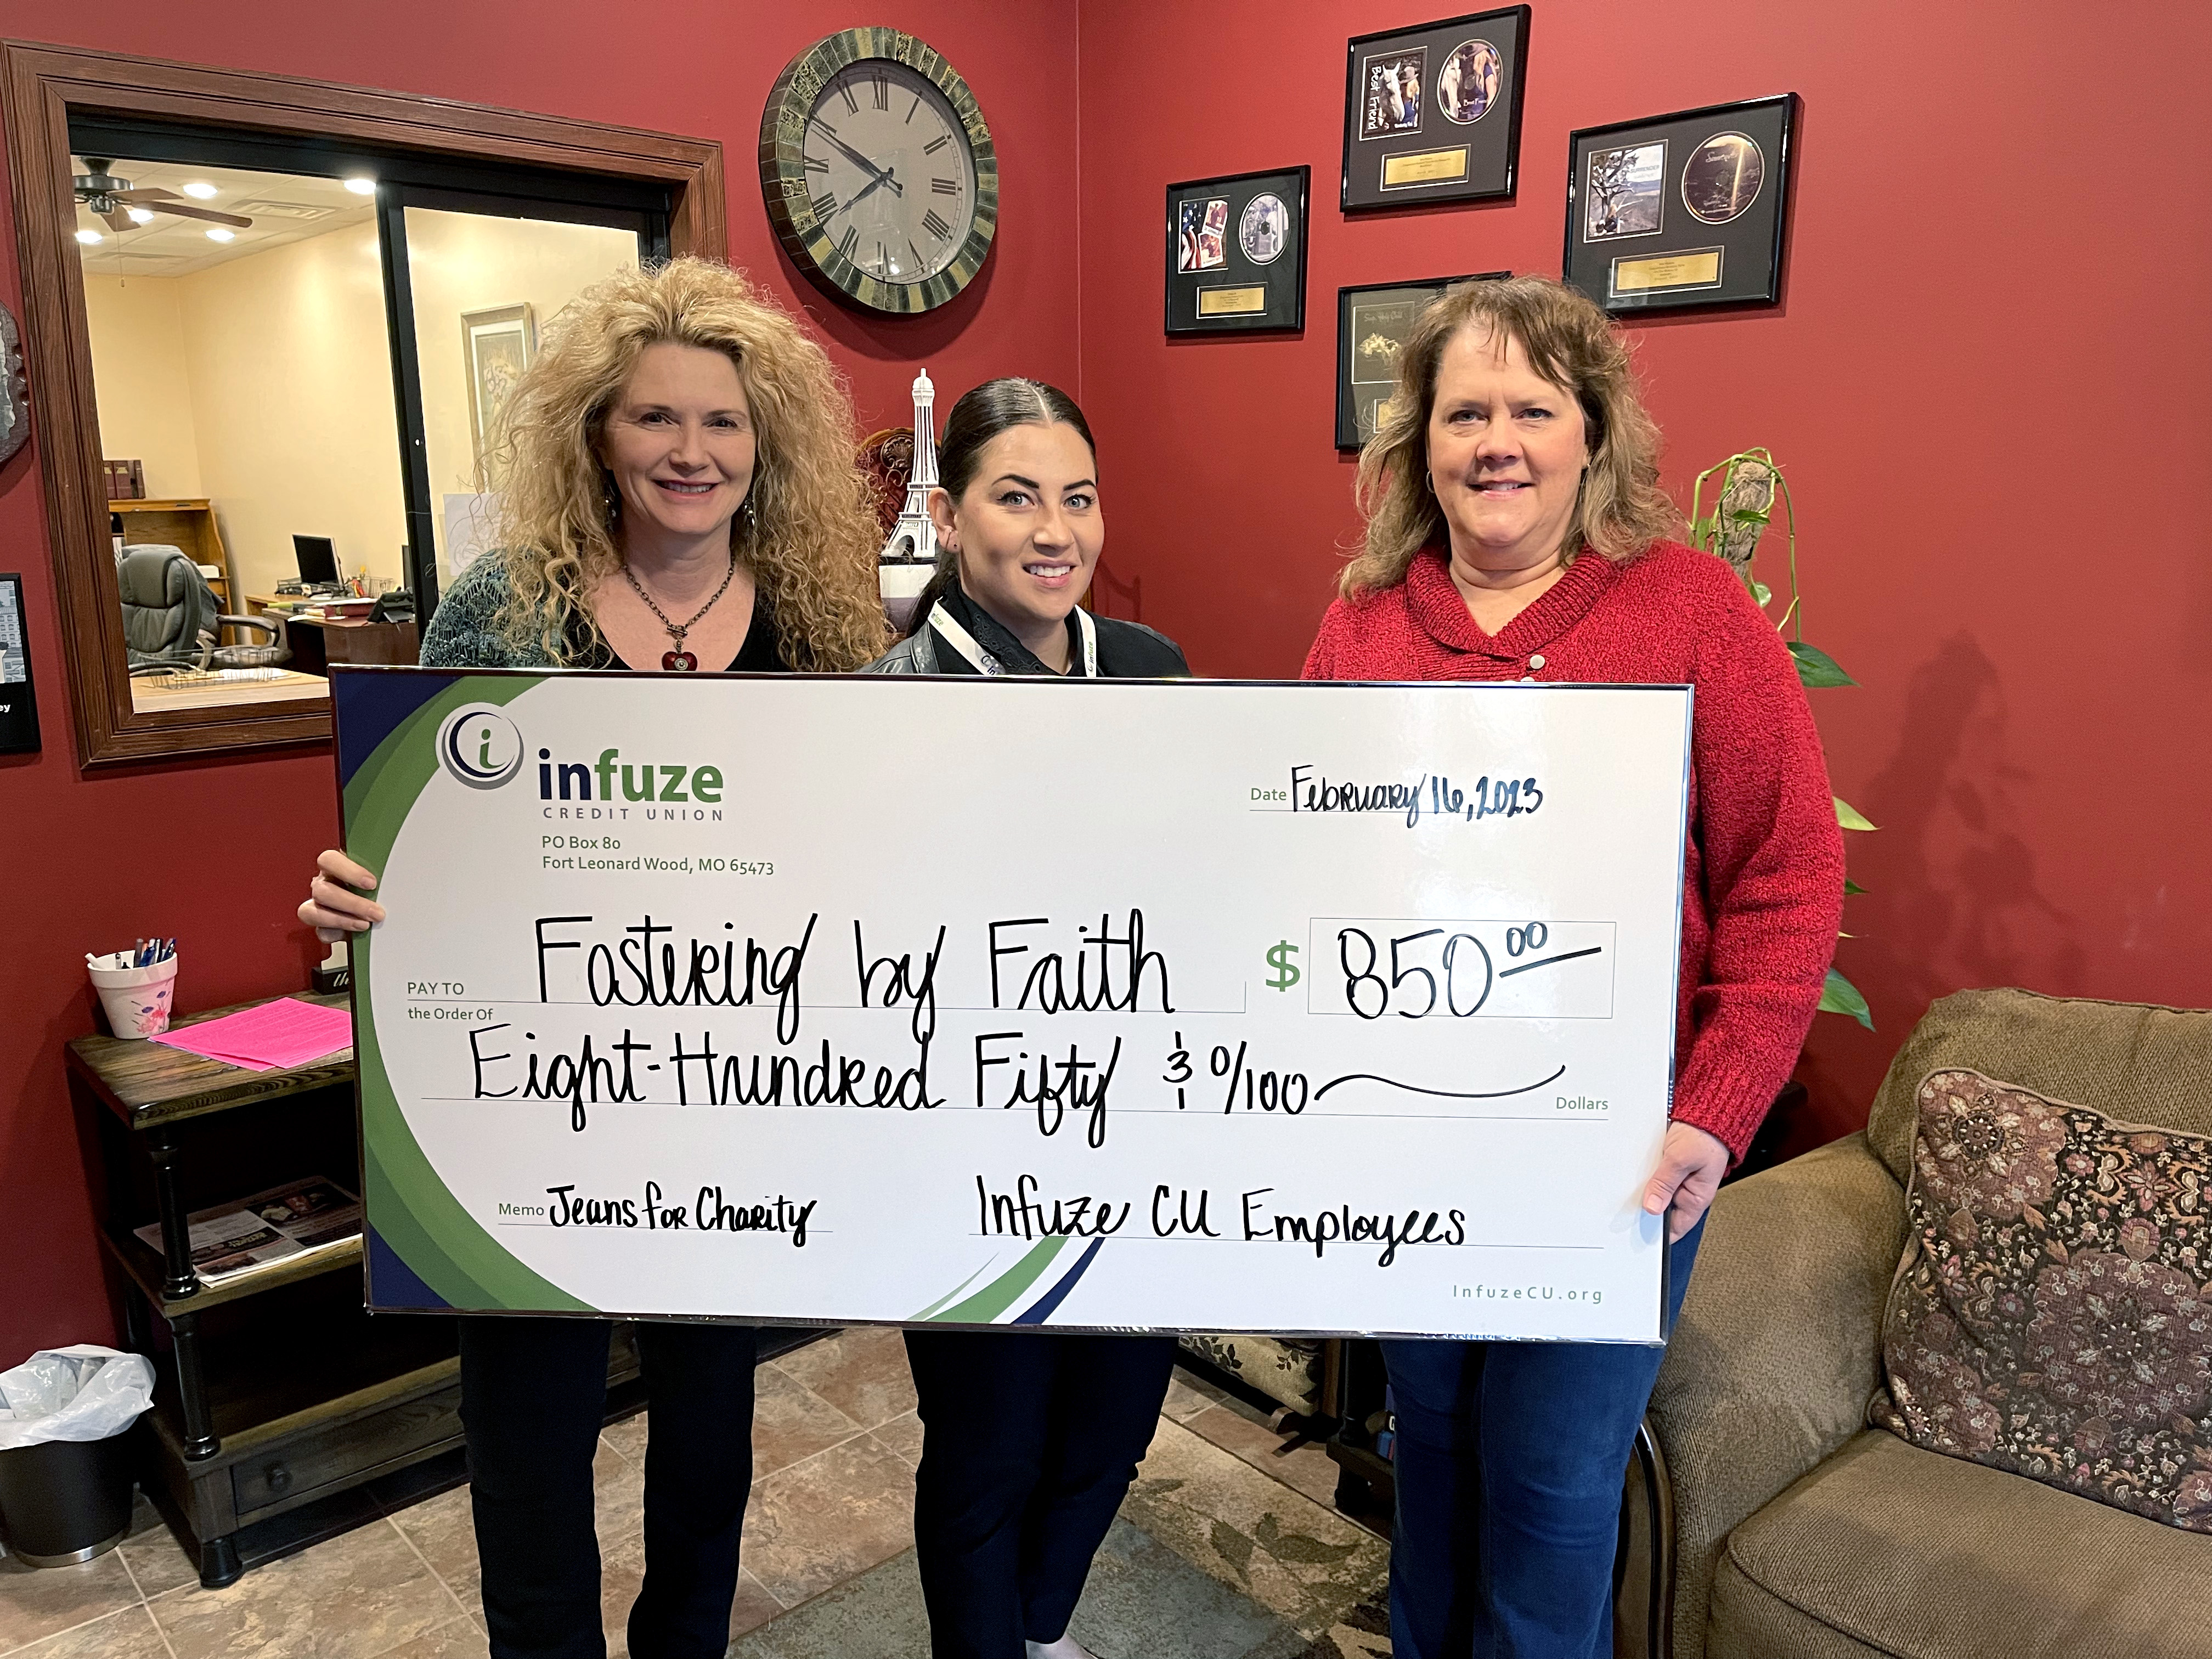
x: 611, y: 499
x: 752, y: 521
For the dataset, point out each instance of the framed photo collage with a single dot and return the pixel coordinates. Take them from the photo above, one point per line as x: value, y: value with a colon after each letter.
x: 1664, y: 213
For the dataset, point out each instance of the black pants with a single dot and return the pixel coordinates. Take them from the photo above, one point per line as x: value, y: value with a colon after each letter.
x: 533, y: 1392
x: 1029, y: 1443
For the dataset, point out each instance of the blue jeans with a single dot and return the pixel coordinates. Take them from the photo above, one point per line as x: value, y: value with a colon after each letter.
x: 1510, y: 1462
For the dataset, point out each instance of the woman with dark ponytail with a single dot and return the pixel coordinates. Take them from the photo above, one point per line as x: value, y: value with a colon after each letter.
x: 1018, y: 533
x: 1030, y: 1439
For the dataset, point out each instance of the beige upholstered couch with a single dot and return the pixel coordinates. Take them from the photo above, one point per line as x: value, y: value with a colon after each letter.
x: 1801, y: 1534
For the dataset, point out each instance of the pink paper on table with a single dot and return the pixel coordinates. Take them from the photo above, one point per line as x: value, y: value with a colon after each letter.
x: 283, y: 1033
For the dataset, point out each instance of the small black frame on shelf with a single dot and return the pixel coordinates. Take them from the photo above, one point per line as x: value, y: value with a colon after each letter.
x: 1459, y: 138
x: 1237, y: 252
x: 1683, y: 212
x: 1388, y: 311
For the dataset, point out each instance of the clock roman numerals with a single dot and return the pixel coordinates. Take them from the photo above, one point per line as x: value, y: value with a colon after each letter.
x: 890, y: 199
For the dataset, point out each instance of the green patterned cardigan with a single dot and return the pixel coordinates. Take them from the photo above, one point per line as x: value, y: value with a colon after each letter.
x: 462, y: 635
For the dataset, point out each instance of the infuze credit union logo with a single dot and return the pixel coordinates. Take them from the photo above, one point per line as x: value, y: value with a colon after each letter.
x: 480, y: 746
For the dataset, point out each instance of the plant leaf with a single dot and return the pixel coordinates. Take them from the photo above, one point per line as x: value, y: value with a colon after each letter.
x: 1816, y: 668
x: 1851, y: 887
x: 1762, y: 593
x: 1849, y: 815
x: 1750, y: 515
x: 1840, y: 996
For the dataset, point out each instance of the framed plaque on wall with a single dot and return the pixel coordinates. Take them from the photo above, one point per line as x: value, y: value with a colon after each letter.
x: 1372, y: 324
x: 1237, y: 252
x: 1432, y: 112
x: 1681, y: 211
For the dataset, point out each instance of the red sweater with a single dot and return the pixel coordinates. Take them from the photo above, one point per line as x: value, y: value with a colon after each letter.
x: 1763, y: 889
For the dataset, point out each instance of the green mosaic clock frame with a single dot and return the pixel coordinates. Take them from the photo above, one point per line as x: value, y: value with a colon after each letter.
x: 783, y: 164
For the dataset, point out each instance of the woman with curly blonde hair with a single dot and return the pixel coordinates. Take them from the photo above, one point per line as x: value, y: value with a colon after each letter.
x: 600, y: 548
x: 677, y: 492
x: 1516, y: 530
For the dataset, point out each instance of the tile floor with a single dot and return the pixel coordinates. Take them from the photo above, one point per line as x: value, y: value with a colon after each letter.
x: 1226, y: 1548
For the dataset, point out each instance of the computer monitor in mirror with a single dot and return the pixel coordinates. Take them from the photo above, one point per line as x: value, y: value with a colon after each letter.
x: 319, y: 561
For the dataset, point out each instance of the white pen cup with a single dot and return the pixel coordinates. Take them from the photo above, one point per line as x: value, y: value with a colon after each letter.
x: 136, y: 999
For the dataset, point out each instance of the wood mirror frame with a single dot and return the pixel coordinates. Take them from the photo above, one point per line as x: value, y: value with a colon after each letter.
x: 41, y: 88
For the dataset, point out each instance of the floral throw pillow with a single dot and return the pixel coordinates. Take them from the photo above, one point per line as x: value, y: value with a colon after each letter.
x: 2053, y: 1312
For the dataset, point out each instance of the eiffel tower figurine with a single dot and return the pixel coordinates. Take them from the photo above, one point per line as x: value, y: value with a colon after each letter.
x: 909, y: 558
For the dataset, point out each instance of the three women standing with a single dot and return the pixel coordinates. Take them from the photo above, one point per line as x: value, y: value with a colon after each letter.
x: 682, y: 497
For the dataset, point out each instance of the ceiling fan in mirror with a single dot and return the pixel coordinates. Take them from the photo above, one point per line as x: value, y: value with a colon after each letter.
x: 114, y: 199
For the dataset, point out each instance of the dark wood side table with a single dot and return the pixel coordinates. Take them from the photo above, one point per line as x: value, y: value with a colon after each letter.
x: 275, y: 1391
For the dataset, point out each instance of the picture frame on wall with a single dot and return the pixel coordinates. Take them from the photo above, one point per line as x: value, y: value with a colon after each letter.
x: 1237, y: 252
x: 496, y: 345
x: 1373, y: 322
x: 1432, y: 111
x: 1683, y: 210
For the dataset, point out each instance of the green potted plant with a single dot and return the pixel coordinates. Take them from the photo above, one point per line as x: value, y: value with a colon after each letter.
x: 1743, y: 506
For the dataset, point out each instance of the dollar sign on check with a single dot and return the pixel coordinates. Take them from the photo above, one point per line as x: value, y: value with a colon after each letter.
x: 1279, y: 958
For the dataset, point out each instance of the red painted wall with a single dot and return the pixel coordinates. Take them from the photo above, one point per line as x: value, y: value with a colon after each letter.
x: 1986, y: 384
x: 217, y: 853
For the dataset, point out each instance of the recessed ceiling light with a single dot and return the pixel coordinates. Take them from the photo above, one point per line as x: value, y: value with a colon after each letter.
x: 362, y: 186
x: 200, y: 192
x: 220, y: 234
x: 142, y: 215
x: 88, y: 237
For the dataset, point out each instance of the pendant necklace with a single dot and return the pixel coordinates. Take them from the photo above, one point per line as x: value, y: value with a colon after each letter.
x: 679, y: 660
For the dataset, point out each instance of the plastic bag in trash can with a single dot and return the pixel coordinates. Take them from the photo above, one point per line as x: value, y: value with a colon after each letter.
x: 83, y: 1392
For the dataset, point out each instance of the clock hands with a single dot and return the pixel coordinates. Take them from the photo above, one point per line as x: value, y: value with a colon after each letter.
x: 883, y: 178
x: 877, y: 175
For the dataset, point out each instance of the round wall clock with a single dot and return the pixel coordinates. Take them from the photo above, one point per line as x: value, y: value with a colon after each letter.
x: 879, y: 170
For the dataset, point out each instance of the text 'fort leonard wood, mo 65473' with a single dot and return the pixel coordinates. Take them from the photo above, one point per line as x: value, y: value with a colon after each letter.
x: 1096, y: 1003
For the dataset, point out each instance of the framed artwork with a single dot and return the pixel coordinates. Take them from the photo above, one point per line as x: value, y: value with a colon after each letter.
x: 1373, y: 323
x: 496, y: 346
x: 1432, y: 112
x: 1237, y: 252
x: 1681, y: 211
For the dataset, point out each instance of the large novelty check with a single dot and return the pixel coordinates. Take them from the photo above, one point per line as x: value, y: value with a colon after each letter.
x: 1180, y: 1006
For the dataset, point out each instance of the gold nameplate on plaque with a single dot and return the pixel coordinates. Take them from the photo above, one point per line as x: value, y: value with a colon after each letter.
x: 1427, y: 166
x: 1231, y: 301
x: 1656, y: 272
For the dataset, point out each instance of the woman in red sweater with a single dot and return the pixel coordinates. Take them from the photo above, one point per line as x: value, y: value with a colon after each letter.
x: 1516, y: 530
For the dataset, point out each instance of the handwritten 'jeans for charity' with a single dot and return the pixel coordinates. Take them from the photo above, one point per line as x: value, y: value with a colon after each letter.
x: 1510, y: 1462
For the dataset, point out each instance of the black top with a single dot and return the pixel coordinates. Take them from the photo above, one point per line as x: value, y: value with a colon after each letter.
x: 1126, y: 650
x: 761, y: 653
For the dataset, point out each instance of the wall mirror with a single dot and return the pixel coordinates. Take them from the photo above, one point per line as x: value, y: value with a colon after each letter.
x: 267, y: 322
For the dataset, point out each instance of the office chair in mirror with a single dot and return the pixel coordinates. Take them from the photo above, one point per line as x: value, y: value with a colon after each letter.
x: 172, y: 624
